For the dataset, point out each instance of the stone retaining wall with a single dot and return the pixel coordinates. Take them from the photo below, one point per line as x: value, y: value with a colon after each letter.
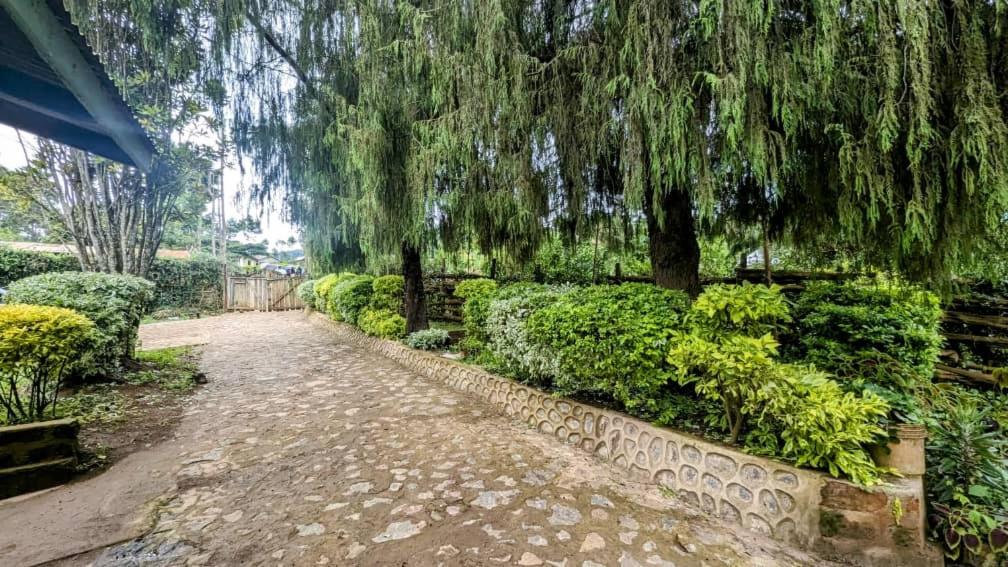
x: 34, y: 456
x: 799, y: 506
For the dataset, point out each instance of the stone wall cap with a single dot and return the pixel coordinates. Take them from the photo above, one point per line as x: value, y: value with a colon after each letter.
x: 66, y: 421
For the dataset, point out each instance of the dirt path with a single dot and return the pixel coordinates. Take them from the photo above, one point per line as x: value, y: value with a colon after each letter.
x: 304, y: 451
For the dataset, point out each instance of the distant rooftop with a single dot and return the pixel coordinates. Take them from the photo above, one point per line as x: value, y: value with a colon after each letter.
x: 164, y: 253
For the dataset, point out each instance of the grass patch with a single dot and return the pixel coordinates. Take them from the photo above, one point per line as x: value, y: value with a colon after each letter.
x: 446, y: 325
x: 173, y: 369
x: 178, y: 314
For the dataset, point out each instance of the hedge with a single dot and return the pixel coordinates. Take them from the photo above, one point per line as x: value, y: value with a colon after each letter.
x: 612, y: 339
x: 115, y: 303
x: 20, y: 264
x: 197, y: 282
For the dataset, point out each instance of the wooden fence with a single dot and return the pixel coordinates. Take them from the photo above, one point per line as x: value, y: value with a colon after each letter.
x: 263, y: 293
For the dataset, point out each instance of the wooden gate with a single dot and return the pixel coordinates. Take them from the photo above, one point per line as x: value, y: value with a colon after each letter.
x: 263, y: 293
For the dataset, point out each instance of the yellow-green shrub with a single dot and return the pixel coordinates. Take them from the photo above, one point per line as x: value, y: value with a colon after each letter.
x: 382, y: 323
x: 323, y: 289
x: 387, y: 293
x: 38, y: 346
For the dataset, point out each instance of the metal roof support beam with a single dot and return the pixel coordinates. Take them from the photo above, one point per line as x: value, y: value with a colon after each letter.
x: 47, y: 35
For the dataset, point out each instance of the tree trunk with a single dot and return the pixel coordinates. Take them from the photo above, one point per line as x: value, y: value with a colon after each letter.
x: 672, y: 242
x: 767, y: 269
x: 415, y: 300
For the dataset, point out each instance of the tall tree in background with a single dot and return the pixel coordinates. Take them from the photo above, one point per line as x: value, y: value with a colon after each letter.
x: 115, y: 215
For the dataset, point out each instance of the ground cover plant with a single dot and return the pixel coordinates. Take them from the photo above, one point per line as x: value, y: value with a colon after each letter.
x: 428, y: 339
x: 114, y: 303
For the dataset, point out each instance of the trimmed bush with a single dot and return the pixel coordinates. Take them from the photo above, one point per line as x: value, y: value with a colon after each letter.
x: 324, y: 287
x: 349, y: 297
x: 306, y: 293
x: 612, y: 340
x: 512, y: 347
x: 382, y: 323
x: 877, y: 335
x: 115, y: 303
x: 38, y: 345
x: 477, y: 294
x: 387, y: 293
x: 428, y: 339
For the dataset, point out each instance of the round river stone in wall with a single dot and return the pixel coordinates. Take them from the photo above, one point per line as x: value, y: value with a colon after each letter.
x: 739, y: 494
x: 689, y: 475
x: 730, y: 513
x: 786, y: 479
x: 723, y: 465
x: 655, y: 451
x: 711, y: 482
x: 671, y: 453
x: 787, y: 503
x: 665, y: 478
x: 691, y: 454
x: 753, y: 475
x: 758, y: 524
x: 768, y: 502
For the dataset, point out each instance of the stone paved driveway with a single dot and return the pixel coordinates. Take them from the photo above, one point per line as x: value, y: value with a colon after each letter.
x: 304, y: 451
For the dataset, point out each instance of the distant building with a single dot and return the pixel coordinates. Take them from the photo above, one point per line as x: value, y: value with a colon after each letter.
x: 164, y: 253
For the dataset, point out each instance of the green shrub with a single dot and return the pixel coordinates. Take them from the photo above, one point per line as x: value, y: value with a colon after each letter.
x: 612, y: 340
x: 38, y: 345
x: 875, y: 335
x: 727, y: 370
x: 349, y: 297
x: 324, y: 287
x: 20, y: 264
x: 428, y: 339
x: 477, y: 294
x: 729, y: 356
x: 306, y: 293
x: 382, y: 323
x: 510, y: 344
x: 115, y: 303
x: 387, y: 293
x: 801, y: 415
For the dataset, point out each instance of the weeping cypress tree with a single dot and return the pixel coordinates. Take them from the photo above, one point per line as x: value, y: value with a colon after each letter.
x: 874, y: 124
x: 877, y: 124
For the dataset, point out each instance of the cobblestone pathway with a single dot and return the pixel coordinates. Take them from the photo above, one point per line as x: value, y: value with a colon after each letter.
x: 303, y: 451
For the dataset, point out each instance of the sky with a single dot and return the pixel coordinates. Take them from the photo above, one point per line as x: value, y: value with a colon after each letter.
x: 273, y: 226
